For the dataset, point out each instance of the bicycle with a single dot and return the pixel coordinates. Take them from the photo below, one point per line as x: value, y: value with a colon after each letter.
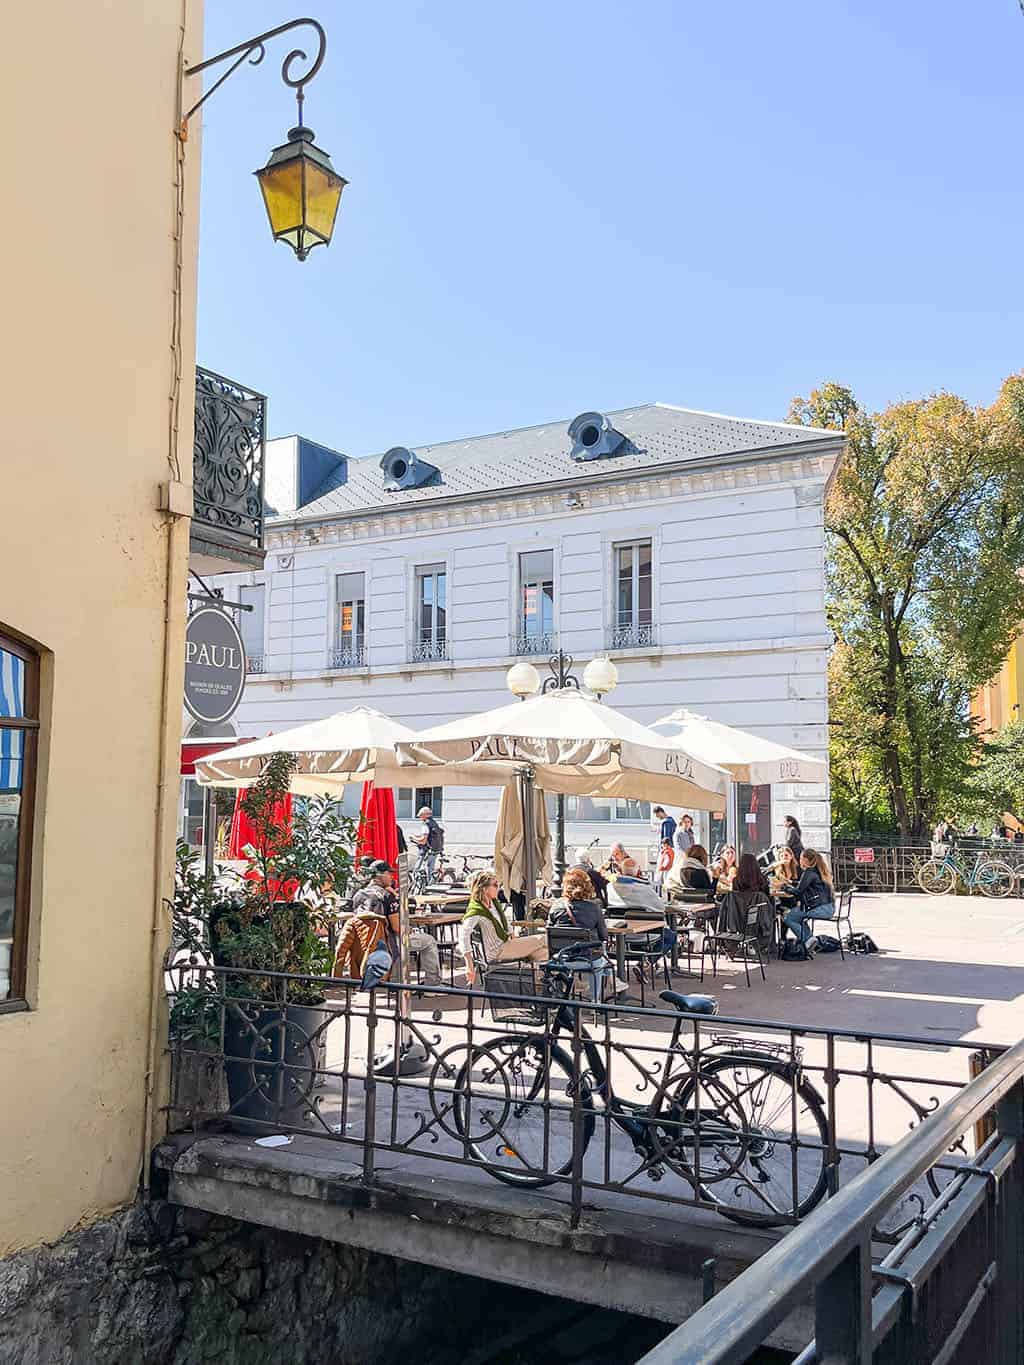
x: 939, y: 875
x: 740, y: 1123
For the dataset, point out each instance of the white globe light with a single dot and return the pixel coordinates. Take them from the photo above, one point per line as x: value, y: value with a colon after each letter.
x: 600, y: 676
x: 522, y: 679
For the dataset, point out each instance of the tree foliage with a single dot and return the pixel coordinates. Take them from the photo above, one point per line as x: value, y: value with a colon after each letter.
x: 925, y: 521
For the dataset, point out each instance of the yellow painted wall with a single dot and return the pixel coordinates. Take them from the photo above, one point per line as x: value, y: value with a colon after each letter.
x: 86, y: 560
x: 1002, y: 700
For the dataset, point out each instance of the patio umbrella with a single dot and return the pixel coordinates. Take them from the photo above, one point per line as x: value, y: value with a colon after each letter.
x: 244, y: 835
x: 522, y: 854
x: 350, y: 746
x: 575, y: 746
x: 376, y: 835
x: 746, y: 757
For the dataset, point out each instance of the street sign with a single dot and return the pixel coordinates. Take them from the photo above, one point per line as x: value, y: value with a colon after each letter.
x: 863, y: 855
x: 214, y: 665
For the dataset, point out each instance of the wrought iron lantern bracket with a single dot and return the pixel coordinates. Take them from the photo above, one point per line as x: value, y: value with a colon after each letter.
x: 253, y: 50
x: 560, y: 666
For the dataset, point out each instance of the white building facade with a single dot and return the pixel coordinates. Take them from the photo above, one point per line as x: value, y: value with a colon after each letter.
x: 688, y: 547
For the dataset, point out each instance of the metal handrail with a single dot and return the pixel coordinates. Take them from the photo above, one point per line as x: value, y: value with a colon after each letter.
x: 730, y: 1327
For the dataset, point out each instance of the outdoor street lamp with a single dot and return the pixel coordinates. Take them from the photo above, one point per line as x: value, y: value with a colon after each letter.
x: 523, y: 681
x: 301, y: 189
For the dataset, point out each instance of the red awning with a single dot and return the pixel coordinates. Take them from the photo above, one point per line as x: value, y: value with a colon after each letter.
x: 193, y: 750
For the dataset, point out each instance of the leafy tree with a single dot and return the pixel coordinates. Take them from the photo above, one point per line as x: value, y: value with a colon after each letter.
x: 998, y: 785
x: 925, y: 521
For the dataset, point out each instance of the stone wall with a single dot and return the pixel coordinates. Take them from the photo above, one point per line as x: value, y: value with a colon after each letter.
x: 156, y: 1285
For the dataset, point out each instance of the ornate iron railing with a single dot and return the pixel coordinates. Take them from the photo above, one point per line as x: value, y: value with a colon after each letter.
x: 534, y: 644
x: 228, y: 468
x: 349, y: 656
x: 756, y: 1121
x: 429, y: 650
x: 948, y: 1292
x: 895, y: 867
x: 255, y: 663
x: 633, y: 637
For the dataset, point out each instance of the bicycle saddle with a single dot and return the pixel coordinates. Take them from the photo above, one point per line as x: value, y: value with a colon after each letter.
x: 691, y: 1004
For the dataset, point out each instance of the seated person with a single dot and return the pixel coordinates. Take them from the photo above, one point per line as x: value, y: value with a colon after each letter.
x: 599, y: 882
x: 579, y: 908
x: 694, y: 872
x: 748, y: 892
x: 376, y: 920
x: 811, y: 892
x: 724, y: 869
x: 616, y: 857
x: 486, y: 913
x: 784, y: 874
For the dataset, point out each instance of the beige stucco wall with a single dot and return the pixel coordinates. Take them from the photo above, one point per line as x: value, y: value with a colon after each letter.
x: 86, y: 362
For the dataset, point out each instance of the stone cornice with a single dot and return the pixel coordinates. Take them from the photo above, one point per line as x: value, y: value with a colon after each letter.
x: 559, y: 500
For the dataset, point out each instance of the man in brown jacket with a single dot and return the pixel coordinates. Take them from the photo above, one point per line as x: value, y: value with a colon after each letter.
x: 375, y: 921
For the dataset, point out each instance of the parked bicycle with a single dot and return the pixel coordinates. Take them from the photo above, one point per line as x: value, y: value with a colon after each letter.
x: 741, y: 1124
x: 446, y: 873
x: 940, y: 874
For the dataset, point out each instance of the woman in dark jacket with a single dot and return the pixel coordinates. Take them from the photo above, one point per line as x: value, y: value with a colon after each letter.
x: 749, y: 894
x: 580, y: 908
x: 694, y: 873
x: 813, y: 890
x: 794, y: 839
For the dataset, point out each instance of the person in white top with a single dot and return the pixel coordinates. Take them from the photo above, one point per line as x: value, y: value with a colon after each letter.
x: 487, y: 914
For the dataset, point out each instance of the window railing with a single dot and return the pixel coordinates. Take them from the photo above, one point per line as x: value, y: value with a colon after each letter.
x: 534, y: 644
x: 429, y: 651
x: 227, y: 473
x: 255, y: 663
x: 351, y: 655
x: 629, y: 636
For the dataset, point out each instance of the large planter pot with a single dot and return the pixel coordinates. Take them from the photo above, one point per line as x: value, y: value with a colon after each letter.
x: 271, y: 1060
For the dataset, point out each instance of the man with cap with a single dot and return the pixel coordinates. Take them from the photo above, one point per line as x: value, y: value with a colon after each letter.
x: 376, y: 919
x: 430, y: 842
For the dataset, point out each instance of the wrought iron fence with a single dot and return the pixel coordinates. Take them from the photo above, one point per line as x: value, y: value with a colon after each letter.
x: 228, y: 465
x: 633, y: 637
x: 429, y: 650
x: 533, y: 644
x: 948, y: 1291
x: 349, y: 656
x: 758, y: 1122
x: 895, y: 867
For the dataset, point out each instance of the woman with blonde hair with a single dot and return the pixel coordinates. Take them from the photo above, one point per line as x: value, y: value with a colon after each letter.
x: 725, y: 867
x: 811, y: 892
x: 486, y: 914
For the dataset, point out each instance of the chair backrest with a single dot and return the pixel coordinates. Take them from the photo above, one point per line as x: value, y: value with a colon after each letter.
x: 561, y: 934
x: 845, y: 900
x: 477, y: 950
x: 693, y: 895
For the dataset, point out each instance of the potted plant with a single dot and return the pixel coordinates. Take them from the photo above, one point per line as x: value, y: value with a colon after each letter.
x: 194, y: 1013
x: 274, y: 1027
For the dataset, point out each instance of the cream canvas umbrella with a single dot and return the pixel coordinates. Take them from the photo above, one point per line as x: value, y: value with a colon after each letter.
x: 516, y: 864
x: 746, y: 757
x: 351, y: 746
x: 576, y: 746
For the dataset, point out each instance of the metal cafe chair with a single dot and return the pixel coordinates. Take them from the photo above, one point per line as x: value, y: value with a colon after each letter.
x: 501, y: 980
x: 646, y: 953
x: 736, y: 944
x: 841, y: 912
x: 561, y: 936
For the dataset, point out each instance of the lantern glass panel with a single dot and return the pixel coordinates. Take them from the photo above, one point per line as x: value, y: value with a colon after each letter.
x: 282, y: 194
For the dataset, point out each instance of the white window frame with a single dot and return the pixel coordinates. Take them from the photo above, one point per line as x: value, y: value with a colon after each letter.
x: 403, y: 794
x: 422, y: 650
x: 610, y: 542
x: 632, y: 634
x: 255, y: 662
x: 548, y: 641
x: 339, y: 658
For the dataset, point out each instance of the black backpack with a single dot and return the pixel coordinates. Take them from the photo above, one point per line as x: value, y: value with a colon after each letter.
x: 827, y: 944
x: 860, y: 943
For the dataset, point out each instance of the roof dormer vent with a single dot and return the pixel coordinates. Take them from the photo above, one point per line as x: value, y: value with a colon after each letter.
x: 593, y: 436
x: 404, y: 469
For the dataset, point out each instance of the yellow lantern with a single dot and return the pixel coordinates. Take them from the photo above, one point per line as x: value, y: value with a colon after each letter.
x: 301, y: 191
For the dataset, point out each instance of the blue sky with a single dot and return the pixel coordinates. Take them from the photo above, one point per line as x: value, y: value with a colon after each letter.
x: 588, y: 204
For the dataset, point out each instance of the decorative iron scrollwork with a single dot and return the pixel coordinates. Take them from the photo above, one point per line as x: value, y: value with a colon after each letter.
x: 228, y: 458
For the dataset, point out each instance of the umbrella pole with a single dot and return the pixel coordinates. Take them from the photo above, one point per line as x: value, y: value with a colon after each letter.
x: 559, y: 860
x: 526, y: 799
x: 411, y: 1060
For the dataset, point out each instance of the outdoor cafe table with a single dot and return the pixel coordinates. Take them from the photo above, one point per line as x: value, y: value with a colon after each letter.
x: 620, y: 932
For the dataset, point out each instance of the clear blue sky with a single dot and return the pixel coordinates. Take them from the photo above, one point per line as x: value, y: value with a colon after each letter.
x: 588, y: 204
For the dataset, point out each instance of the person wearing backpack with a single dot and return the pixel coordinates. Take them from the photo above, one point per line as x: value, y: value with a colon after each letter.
x: 430, y: 842
x: 811, y: 891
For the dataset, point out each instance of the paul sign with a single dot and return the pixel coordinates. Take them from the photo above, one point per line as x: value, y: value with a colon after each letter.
x: 214, y: 665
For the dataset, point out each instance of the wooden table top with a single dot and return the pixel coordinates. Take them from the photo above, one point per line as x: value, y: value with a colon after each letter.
x: 437, y: 918
x: 635, y: 926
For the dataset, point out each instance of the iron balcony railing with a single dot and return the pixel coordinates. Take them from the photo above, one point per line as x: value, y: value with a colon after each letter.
x: 227, y: 474
x: 546, y: 643
x: 629, y: 636
x: 756, y: 1121
x: 429, y: 650
x: 349, y: 655
x: 255, y: 663
x: 947, y: 1293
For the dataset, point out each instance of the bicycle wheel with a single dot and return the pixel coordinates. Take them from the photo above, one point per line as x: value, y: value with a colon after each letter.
x: 514, y: 1109
x: 936, y: 878
x: 995, y: 878
x: 774, y: 1164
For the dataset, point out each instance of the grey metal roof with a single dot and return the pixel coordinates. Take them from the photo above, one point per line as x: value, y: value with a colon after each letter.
x: 656, y: 435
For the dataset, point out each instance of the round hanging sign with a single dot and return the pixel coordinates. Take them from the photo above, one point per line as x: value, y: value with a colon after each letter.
x: 214, y: 665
